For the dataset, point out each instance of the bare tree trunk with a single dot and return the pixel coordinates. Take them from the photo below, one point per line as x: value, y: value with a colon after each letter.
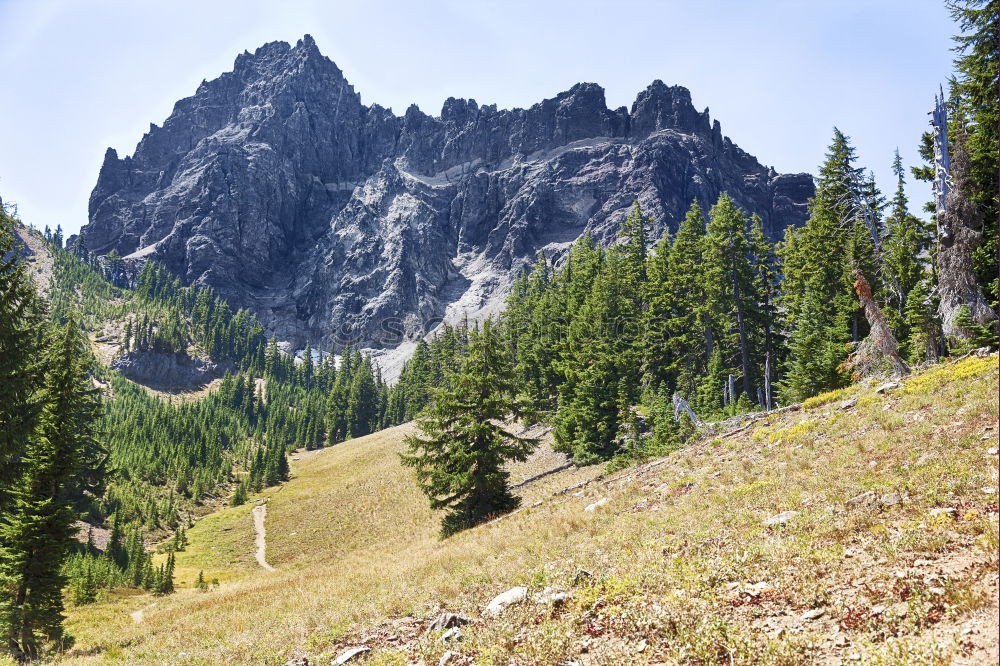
x: 680, y: 404
x: 767, y: 381
x: 942, y: 159
x: 744, y: 344
x: 880, y: 344
x: 959, y: 233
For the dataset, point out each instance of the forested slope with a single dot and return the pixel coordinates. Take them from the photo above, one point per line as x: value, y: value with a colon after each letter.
x: 170, y: 461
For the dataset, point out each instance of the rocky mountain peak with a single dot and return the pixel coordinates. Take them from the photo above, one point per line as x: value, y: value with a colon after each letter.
x: 339, y: 222
x: 660, y: 107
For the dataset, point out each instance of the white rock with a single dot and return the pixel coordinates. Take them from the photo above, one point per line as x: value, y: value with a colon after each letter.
x: 349, y: 654
x: 942, y: 510
x: 757, y: 588
x: 888, y: 387
x: 447, y: 621
x: 453, y: 634
x: 863, y: 498
x: 993, y: 451
x: 781, y: 518
x: 600, y: 502
x: 891, y: 499
x: 553, y: 595
x: 447, y: 657
x: 501, y: 601
x: 813, y: 614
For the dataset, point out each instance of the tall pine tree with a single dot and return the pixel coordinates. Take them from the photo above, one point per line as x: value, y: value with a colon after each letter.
x: 459, y: 456
x: 38, y: 529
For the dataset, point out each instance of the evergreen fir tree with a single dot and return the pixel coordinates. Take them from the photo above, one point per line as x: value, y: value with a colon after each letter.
x: 817, y: 347
x: 19, y: 349
x: 977, y: 335
x: 730, y: 287
x: 600, y: 353
x: 974, y: 89
x: 922, y: 322
x: 768, y: 340
x: 37, y: 531
x: 460, y: 454
x: 362, y: 401
x: 821, y: 311
x: 689, y: 337
x: 903, y: 242
x: 239, y: 495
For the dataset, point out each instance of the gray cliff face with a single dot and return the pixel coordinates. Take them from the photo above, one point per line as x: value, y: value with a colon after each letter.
x: 337, y: 221
x: 169, y: 370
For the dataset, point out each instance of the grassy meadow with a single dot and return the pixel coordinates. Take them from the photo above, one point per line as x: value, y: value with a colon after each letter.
x: 676, y: 566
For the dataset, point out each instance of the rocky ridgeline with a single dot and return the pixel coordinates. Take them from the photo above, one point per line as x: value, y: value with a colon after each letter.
x: 275, y: 185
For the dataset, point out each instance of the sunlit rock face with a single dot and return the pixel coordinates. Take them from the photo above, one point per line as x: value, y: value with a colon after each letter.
x: 335, y: 221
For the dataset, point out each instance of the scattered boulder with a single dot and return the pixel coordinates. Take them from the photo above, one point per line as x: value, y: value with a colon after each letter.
x: 888, y: 387
x: 501, y: 601
x: 939, y: 511
x: 593, y: 507
x: 349, y: 654
x: 849, y: 404
x: 781, y: 518
x: 447, y: 657
x: 448, y: 621
x: 868, y: 497
x: 553, y: 595
x: 813, y: 614
x: 752, y: 590
x: 891, y: 499
x: 453, y: 634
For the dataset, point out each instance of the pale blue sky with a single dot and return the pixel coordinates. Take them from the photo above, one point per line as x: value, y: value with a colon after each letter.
x: 80, y: 75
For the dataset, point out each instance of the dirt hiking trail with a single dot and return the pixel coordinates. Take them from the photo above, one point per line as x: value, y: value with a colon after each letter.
x: 259, y: 514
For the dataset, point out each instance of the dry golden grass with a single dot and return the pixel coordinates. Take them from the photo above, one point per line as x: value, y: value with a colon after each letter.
x: 671, y: 555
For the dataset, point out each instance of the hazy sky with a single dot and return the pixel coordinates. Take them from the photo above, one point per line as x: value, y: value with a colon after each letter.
x: 78, y: 76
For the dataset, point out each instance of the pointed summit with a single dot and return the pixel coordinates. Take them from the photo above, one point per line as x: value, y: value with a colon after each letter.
x: 660, y: 107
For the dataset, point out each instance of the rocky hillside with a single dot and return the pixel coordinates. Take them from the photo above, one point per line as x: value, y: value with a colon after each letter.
x: 338, y: 221
x: 860, y: 528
